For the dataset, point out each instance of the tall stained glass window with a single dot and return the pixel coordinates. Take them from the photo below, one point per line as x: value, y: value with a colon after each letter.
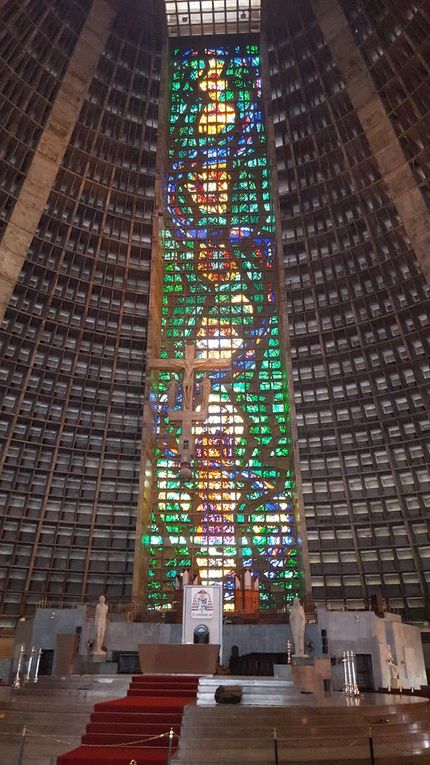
x: 237, y: 512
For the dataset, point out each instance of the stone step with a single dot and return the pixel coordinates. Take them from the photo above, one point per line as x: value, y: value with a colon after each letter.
x: 308, y: 737
x: 256, y: 691
x: 244, y: 680
x: 311, y: 730
x: 53, y: 705
x: 55, y: 712
x: 329, y: 756
x: 234, y: 735
x: 294, y: 714
x: 15, y: 724
x: 36, y: 750
x: 341, y: 748
x: 78, y: 681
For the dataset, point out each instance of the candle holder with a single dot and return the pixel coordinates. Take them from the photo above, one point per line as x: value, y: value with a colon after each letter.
x: 354, y: 687
x: 36, y: 673
x: 17, y: 679
x: 350, y: 687
x: 30, y: 662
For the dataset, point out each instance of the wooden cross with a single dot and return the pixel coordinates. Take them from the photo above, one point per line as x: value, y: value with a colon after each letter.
x: 187, y: 415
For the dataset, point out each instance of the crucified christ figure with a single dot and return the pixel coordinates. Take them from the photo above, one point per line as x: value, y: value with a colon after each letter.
x: 187, y: 416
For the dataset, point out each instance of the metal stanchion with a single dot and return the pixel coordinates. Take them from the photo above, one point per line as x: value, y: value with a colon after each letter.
x: 169, y: 754
x: 354, y: 688
x: 17, y: 681
x: 36, y: 672
x: 371, y: 751
x: 345, y: 674
x: 21, y: 747
x: 275, y: 744
x: 30, y: 662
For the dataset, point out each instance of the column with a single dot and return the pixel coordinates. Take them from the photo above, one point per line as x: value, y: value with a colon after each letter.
x: 52, y: 145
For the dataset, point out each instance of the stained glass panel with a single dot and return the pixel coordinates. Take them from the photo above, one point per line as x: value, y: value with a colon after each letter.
x: 237, y: 511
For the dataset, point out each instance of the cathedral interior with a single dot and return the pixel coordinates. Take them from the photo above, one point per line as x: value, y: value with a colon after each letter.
x: 248, y: 181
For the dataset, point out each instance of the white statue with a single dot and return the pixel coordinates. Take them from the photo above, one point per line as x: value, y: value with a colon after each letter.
x: 297, y: 624
x: 394, y: 677
x: 100, y: 620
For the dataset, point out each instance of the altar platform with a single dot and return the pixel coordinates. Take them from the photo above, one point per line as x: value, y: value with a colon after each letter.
x: 328, y: 728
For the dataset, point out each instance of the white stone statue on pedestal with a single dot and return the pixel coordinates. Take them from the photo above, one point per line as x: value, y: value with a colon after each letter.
x: 393, y: 670
x: 297, y: 624
x: 100, y: 620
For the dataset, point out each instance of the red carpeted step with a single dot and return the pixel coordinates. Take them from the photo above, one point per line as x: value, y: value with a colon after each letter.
x: 160, y: 694
x: 142, y: 704
x: 136, y: 718
x: 164, y: 682
x: 161, y: 691
x: 138, y: 740
x: 166, y: 678
x: 86, y: 755
x: 145, y: 712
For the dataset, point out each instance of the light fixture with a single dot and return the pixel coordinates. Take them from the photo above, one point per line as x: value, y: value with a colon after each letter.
x: 243, y: 15
x: 184, y: 19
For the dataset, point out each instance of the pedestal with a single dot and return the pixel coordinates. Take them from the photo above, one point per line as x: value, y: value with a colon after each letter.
x: 309, y: 675
x: 282, y: 671
x: 98, y: 657
x: 302, y: 661
x: 101, y: 668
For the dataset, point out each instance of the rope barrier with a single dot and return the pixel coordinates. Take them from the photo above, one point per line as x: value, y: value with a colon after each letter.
x: 28, y: 732
x: 107, y: 746
x: 163, y: 735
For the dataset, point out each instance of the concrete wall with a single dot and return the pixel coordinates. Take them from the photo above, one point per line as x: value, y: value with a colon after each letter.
x: 365, y: 633
x: 267, y: 638
x: 48, y: 623
x: 122, y: 636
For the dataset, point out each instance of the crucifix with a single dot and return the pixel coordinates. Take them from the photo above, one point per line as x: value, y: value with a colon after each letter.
x: 187, y: 416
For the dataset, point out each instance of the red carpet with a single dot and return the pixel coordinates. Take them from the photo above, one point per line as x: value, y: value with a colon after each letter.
x: 130, y: 728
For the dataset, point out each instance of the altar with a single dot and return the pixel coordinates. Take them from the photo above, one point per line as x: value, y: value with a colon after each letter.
x: 193, y: 659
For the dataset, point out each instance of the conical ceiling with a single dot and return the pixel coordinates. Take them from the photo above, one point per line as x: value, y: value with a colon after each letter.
x: 212, y: 17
